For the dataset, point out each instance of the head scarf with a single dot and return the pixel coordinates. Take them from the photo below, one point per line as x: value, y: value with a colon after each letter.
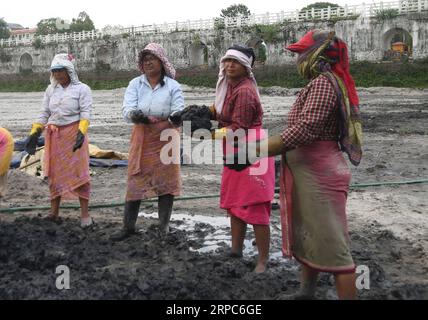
x: 64, y: 61
x: 160, y: 53
x: 321, y: 52
x: 244, y: 56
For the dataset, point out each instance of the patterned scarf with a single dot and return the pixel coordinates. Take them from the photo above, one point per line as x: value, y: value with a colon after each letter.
x: 321, y: 52
x: 158, y: 51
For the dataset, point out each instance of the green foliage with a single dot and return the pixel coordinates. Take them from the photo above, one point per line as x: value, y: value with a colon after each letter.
x: 365, y: 74
x: 268, y: 32
x: 411, y: 75
x: 48, y: 26
x: 37, y: 43
x: 106, y: 84
x: 54, y: 25
x: 24, y: 86
x: 219, y: 24
x: 102, y: 66
x: 4, y: 30
x: 234, y: 10
x: 82, y: 23
x: 261, y: 54
x: 4, y: 57
x: 319, y: 5
x: 106, y: 37
x: 385, y: 14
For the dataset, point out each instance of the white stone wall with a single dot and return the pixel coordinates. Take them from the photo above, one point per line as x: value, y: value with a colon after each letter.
x: 365, y: 37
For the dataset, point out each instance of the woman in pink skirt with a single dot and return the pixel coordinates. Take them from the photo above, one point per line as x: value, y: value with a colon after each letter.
x: 65, y: 119
x: 245, y: 194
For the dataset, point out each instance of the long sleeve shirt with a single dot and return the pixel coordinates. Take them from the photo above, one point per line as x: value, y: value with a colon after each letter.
x: 159, y: 102
x: 242, y: 107
x: 62, y: 106
x: 314, y: 115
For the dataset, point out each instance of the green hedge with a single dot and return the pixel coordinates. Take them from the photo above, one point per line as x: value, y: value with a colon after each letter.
x: 411, y: 75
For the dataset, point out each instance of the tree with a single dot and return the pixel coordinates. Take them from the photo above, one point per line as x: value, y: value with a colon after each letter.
x: 4, y: 30
x: 234, y: 10
x: 48, y: 26
x: 82, y: 23
x: 319, y: 5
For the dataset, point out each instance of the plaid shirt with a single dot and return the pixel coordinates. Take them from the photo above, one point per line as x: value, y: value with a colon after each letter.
x: 242, y: 107
x: 313, y: 117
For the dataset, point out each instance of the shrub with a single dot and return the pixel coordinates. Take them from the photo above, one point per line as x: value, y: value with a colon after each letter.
x: 385, y: 14
x: 38, y: 44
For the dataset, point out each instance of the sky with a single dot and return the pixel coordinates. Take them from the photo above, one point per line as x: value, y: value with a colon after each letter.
x: 144, y: 12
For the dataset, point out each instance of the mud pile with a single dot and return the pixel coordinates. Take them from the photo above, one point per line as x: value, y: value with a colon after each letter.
x: 149, y: 266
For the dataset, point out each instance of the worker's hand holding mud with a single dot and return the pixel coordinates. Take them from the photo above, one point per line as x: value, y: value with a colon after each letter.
x: 137, y: 116
x: 83, y: 128
x: 79, y: 140
x: 176, y: 119
x: 31, y: 145
x: 252, y: 151
x: 246, y: 155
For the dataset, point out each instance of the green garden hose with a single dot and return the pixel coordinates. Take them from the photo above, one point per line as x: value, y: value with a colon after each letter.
x: 121, y: 204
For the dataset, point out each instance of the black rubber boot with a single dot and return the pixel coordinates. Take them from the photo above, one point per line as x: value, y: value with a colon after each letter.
x: 165, y: 203
x: 129, y: 219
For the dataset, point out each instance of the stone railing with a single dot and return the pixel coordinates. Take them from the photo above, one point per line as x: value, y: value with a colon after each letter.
x: 368, y: 10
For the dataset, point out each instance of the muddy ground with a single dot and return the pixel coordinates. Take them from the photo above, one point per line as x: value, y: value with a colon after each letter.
x: 388, y: 224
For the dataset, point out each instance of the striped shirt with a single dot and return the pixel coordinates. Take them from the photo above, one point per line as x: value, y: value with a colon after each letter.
x: 242, y: 107
x: 314, y: 115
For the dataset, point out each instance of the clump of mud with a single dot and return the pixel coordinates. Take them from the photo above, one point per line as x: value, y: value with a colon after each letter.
x: 146, y: 266
x: 149, y: 266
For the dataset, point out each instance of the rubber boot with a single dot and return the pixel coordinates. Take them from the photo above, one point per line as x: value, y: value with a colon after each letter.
x: 129, y: 219
x: 165, y: 203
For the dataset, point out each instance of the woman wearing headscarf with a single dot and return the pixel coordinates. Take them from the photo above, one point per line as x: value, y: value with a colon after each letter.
x: 6, y: 151
x: 323, y: 123
x: 247, y: 194
x: 150, y: 102
x: 65, y: 118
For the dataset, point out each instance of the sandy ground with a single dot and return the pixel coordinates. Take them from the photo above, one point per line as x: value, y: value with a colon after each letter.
x: 388, y: 224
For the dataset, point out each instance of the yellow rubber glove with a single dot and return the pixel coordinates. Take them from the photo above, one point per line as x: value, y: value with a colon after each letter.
x: 213, y: 112
x: 83, y: 126
x: 218, y: 134
x: 36, y: 127
x: 212, y: 109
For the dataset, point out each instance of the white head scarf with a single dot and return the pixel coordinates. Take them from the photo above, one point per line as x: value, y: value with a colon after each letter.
x: 67, y: 61
x: 221, y: 88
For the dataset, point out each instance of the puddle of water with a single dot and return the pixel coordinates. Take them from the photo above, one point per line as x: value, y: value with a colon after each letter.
x: 213, y: 238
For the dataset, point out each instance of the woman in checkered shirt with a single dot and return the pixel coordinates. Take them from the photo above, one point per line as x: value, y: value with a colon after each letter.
x: 323, y: 123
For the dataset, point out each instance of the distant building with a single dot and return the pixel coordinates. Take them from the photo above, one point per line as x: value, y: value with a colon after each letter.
x: 22, y: 34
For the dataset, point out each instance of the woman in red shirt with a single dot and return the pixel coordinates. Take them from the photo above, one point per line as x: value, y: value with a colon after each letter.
x: 247, y: 194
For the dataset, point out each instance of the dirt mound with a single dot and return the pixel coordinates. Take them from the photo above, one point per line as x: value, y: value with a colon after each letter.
x: 149, y: 266
x: 146, y: 266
